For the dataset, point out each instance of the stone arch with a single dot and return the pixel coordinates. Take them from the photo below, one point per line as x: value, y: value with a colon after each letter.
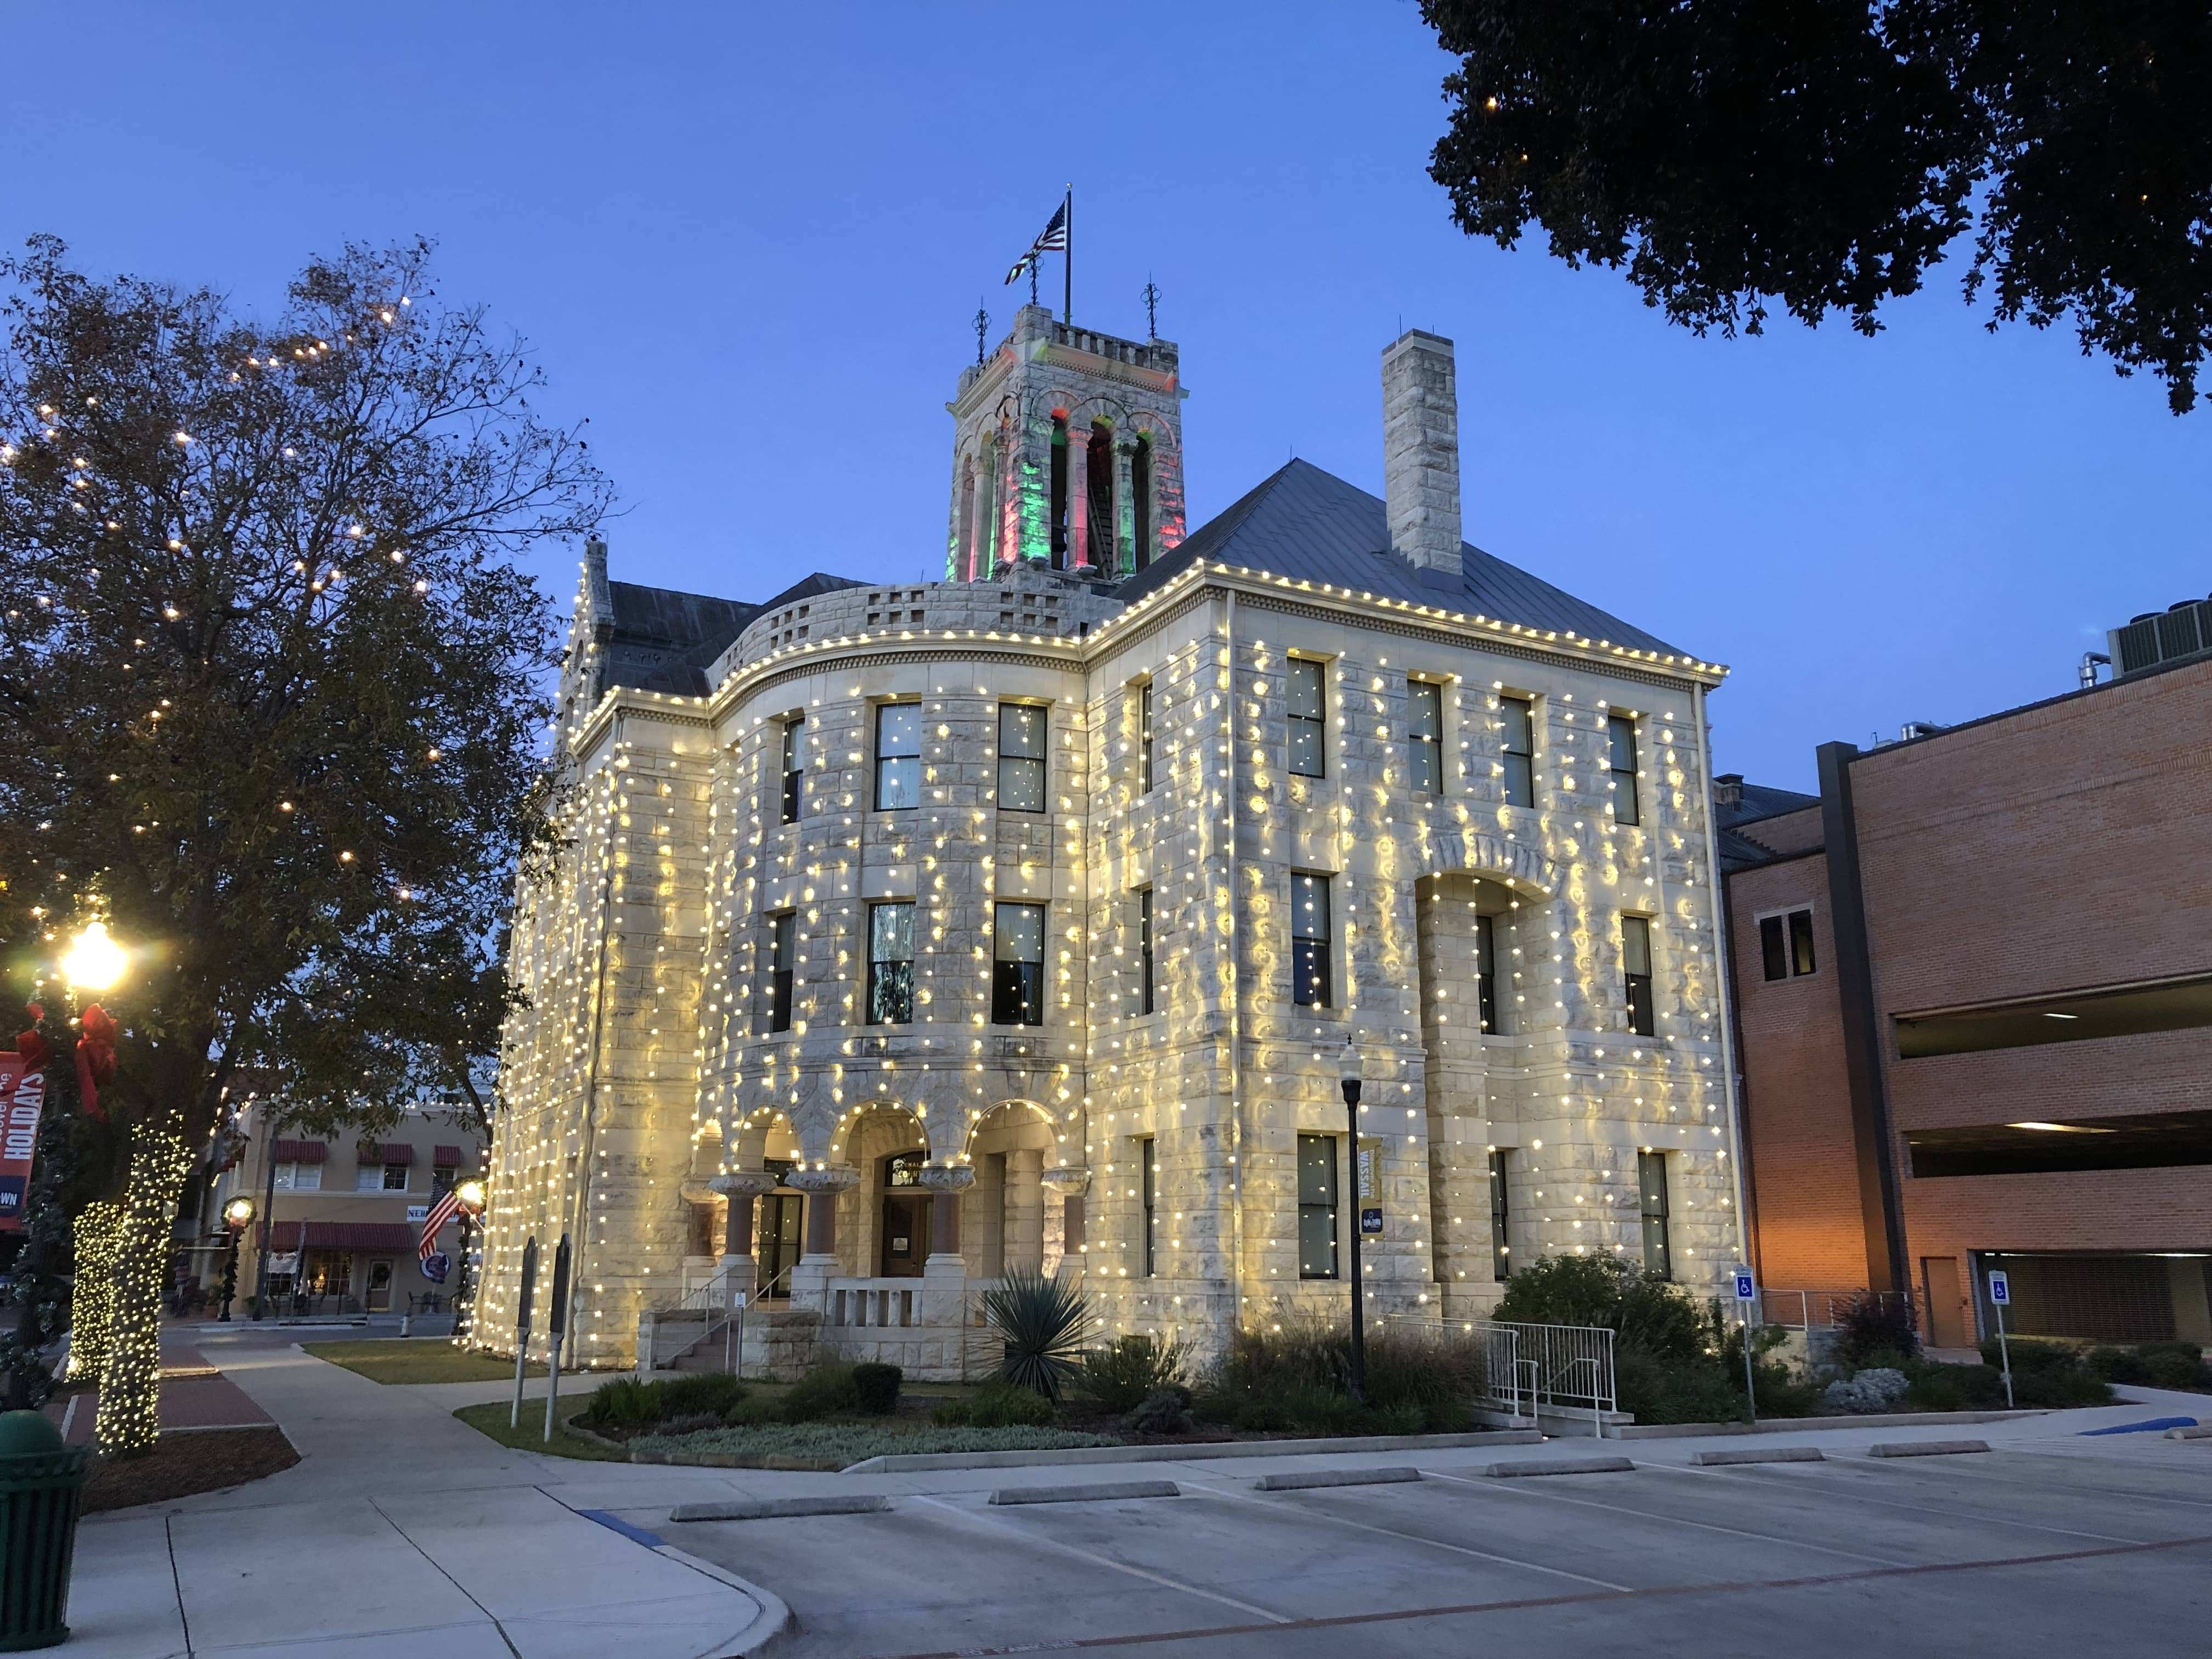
x: 1010, y: 1219
x: 1475, y: 852
x: 764, y: 1133
x: 869, y: 1128
x: 997, y: 1119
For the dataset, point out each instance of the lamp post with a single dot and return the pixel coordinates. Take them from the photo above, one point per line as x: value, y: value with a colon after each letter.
x: 470, y: 1196
x: 1347, y: 1072
x: 237, y: 1216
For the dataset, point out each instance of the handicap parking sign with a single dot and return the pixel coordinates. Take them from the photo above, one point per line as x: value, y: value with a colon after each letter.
x: 1999, y: 1286
x: 1746, y: 1289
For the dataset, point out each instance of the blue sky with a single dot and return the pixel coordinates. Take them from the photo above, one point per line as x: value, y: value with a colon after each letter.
x: 746, y: 243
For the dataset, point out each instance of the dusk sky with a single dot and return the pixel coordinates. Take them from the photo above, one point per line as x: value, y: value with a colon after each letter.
x: 747, y: 244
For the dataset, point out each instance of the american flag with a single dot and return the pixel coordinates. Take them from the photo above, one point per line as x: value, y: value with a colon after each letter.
x: 447, y: 1206
x: 1053, y: 238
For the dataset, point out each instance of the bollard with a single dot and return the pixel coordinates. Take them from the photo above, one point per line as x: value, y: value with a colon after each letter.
x: 41, y: 1485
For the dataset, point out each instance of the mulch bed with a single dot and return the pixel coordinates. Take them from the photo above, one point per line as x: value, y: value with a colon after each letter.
x: 183, y: 1464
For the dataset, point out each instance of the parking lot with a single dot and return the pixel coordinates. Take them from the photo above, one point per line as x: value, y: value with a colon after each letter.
x: 2100, y: 1545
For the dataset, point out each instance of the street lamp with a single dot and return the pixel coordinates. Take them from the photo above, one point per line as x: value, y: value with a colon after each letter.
x: 1347, y: 1073
x: 469, y: 1198
x: 237, y: 1216
x: 95, y: 962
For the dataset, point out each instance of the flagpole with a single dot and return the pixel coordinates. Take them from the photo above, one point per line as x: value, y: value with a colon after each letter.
x: 1067, y: 258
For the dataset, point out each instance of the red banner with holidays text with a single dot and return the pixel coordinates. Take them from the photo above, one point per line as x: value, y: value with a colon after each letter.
x: 22, y: 1094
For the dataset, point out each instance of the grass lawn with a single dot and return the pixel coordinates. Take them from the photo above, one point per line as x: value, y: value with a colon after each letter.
x: 490, y: 1419
x: 416, y: 1359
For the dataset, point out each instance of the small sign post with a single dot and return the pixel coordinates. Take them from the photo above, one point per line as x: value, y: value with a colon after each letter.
x: 2000, y: 1297
x: 556, y: 1320
x: 522, y: 1325
x: 731, y: 1360
x: 1746, y: 1292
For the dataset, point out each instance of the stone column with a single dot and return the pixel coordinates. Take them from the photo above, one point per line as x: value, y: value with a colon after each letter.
x: 810, y: 1278
x: 1025, y: 1201
x: 1125, y: 508
x: 945, y: 1274
x: 1065, y: 1243
x: 741, y: 1187
x: 1079, y: 499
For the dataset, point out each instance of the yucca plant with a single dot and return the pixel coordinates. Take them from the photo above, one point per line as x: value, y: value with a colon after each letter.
x: 1041, y: 1323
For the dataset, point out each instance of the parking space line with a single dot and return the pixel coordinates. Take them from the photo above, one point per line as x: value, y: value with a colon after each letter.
x: 1308, y: 1512
x: 1988, y: 1473
x: 1518, y: 1489
x: 1755, y: 1474
x: 992, y: 1524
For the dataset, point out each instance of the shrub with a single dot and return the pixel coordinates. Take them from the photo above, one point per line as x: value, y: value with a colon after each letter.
x: 1260, y: 1416
x: 2174, y: 1364
x: 1941, y: 1388
x: 998, y: 1405
x: 1876, y: 1389
x: 752, y: 1412
x: 713, y: 1392
x: 625, y: 1402
x: 2032, y: 1353
x: 1300, y: 1376
x: 1041, y: 1324
x: 1166, y: 1411
x: 826, y: 1390
x: 688, y: 1422
x: 876, y: 1388
x: 1122, y: 1377
x: 1869, y: 1323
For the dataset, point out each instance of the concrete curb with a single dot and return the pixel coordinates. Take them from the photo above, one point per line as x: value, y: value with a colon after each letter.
x: 1102, y: 1492
x: 772, y: 1621
x: 1305, y: 1480
x: 2202, y: 1431
x: 1924, y: 1448
x: 781, y: 1508
x: 1560, y: 1466
x: 1814, y: 1424
x: 1723, y: 1456
x: 920, y: 1462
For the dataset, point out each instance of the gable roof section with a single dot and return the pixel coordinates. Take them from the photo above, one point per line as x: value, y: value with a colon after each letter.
x: 660, y: 640
x: 1311, y: 526
x: 1761, y: 800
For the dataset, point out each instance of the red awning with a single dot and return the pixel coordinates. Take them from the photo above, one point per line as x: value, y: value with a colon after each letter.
x: 388, y: 1152
x: 446, y: 1157
x: 301, y: 1151
x: 396, y: 1237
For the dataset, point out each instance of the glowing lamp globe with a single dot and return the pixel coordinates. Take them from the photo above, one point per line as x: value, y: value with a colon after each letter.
x: 238, y: 1212
x: 471, y: 1195
x: 94, y: 961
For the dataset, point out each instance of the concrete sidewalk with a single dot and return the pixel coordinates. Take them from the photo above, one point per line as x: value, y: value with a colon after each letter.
x: 398, y: 1524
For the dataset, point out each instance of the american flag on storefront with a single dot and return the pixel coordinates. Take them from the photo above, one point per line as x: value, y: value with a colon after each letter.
x: 447, y: 1206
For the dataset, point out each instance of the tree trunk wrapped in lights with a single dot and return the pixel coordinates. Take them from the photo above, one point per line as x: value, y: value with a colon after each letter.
x: 130, y: 1418
x: 98, y: 1232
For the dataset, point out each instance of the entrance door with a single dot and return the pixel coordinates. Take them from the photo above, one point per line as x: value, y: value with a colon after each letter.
x: 776, y: 1245
x: 1939, y: 1289
x: 379, y: 1287
x: 906, y: 1234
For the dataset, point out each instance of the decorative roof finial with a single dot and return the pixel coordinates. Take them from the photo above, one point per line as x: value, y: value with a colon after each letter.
x: 1152, y: 298
x: 982, y: 327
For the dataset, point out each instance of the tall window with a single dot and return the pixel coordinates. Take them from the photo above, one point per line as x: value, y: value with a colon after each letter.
x: 1518, y: 715
x: 898, y: 755
x: 1140, y: 498
x: 1316, y: 1207
x: 1310, y: 940
x: 1485, y: 972
x: 1425, y: 735
x: 1021, y: 757
x: 1149, y: 1165
x: 1308, y: 702
x: 1145, y: 951
x: 1786, y: 943
x: 890, y: 965
x: 1501, y: 1228
x: 1621, y: 738
x: 1017, y: 965
x: 1651, y: 1181
x: 794, y: 764
x: 1636, y: 969
x: 783, y: 965
x: 1144, y: 739
x: 1061, y: 481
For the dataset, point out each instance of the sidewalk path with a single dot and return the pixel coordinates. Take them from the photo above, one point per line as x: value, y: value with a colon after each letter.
x: 398, y: 1528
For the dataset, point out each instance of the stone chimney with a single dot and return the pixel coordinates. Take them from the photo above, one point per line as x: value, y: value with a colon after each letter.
x: 1728, y: 789
x: 1420, y: 453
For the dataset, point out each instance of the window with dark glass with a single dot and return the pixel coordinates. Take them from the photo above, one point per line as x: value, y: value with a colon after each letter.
x: 794, y: 764
x: 1501, y: 1233
x: 1636, y: 969
x: 1149, y: 1165
x: 890, y: 965
x: 783, y: 964
x: 1309, y: 987
x: 1785, y: 943
x: 1316, y: 1207
x: 1144, y: 950
x: 1620, y: 739
x: 1518, y: 717
x: 1145, y: 740
x: 1425, y: 735
x: 1018, y: 964
x: 1309, y: 710
x: 1021, y: 757
x: 1651, y: 1182
x: 1485, y: 971
x: 898, y: 755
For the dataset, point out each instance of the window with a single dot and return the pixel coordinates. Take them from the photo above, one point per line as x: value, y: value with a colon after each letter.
x: 1651, y: 1179
x: 1144, y: 741
x: 1149, y: 1164
x: 1425, y: 735
x: 890, y: 965
x: 1140, y: 497
x: 1310, y: 940
x: 1785, y: 943
x: 1636, y: 969
x: 1145, y: 951
x: 441, y: 1182
x: 1620, y: 738
x: 1017, y: 965
x: 898, y: 755
x: 1501, y: 1236
x: 1021, y: 757
x: 381, y: 1178
x: 1485, y: 971
x: 1309, y: 704
x: 1316, y: 1207
x: 1518, y: 715
x: 794, y: 763
x: 299, y: 1177
x: 783, y: 963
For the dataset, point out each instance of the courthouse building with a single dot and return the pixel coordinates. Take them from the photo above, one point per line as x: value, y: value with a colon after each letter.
x: 908, y: 934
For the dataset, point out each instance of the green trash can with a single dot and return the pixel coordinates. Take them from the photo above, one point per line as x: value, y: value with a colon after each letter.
x: 41, y: 1484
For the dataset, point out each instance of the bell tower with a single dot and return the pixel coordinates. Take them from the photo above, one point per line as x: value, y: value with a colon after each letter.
x: 1066, y: 454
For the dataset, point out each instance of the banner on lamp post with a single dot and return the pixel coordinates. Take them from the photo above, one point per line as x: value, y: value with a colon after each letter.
x: 22, y: 1098
x: 1369, y: 1181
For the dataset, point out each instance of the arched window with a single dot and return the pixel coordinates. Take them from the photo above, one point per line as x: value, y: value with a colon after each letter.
x: 1098, y: 493
x: 1060, y: 483
x: 1140, y: 488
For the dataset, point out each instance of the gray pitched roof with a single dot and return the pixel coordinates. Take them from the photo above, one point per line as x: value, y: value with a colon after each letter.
x: 1311, y: 526
x: 1759, y: 800
x: 661, y: 640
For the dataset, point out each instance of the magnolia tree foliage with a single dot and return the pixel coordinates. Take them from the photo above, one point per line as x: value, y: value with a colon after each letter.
x: 271, y: 691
